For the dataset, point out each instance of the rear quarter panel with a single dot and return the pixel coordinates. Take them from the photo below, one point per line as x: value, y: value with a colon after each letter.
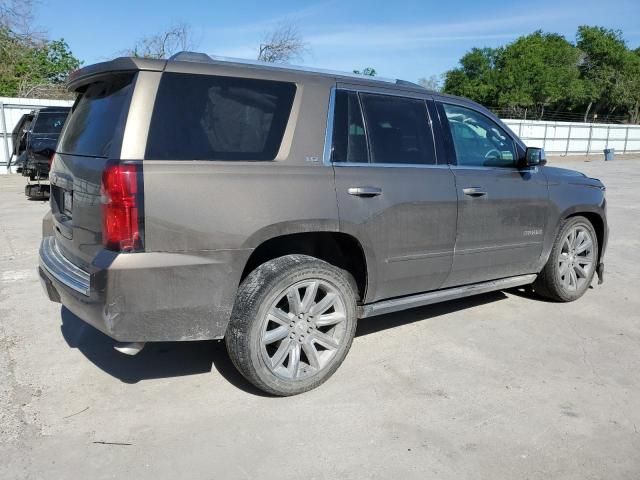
x: 233, y: 206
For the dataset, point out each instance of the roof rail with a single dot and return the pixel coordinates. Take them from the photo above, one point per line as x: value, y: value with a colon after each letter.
x: 406, y: 83
x: 214, y: 59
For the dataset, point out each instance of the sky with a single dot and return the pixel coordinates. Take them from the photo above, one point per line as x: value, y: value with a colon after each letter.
x: 408, y: 40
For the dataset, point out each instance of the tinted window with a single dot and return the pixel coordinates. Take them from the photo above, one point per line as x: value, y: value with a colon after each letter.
x: 204, y: 117
x: 98, y: 116
x: 398, y: 129
x: 349, y: 140
x: 478, y: 140
x: 47, y: 122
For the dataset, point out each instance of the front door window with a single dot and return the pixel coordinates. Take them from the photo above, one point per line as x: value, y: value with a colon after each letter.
x: 479, y: 141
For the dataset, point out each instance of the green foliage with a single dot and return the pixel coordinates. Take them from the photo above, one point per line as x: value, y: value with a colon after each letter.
x: 28, y: 66
x: 477, y: 76
x: 369, y: 71
x: 610, y: 69
x: 545, y: 71
x: 538, y: 70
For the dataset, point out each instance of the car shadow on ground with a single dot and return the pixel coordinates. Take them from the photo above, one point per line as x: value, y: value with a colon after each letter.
x: 528, y: 293
x: 175, y: 359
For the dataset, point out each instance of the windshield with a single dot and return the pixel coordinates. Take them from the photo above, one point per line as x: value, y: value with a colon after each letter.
x: 49, y: 122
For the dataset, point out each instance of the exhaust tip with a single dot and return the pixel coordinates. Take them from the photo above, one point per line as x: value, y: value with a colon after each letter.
x: 129, y: 348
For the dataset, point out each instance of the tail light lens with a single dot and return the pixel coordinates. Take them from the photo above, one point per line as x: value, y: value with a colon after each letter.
x: 121, y: 198
x: 51, y: 160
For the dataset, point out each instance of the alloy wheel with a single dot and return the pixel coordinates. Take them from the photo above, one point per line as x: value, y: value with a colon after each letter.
x: 575, y: 261
x: 303, y: 329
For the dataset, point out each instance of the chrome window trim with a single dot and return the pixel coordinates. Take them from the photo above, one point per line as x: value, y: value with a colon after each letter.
x: 502, y: 169
x: 389, y: 165
x: 393, y: 92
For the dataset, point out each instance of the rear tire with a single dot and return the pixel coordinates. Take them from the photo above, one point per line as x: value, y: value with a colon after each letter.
x: 292, y: 324
x: 572, y: 262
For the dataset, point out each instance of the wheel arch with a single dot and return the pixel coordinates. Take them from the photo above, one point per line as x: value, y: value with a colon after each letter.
x: 595, y: 214
x: 337, y: 248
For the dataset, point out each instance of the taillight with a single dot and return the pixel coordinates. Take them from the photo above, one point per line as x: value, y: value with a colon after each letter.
x: 121, y: 207
x: 51, y: 160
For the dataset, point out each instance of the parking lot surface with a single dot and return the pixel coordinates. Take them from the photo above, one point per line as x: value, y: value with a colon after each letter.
x: 500, y: 386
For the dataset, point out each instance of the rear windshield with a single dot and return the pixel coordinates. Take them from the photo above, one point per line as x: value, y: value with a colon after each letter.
x: 204, y: 117
x: 97, y: 118
x: 49, y: 122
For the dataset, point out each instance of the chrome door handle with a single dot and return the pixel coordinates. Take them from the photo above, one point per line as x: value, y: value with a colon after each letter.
x: 474, y: 192
x: 364, y: 191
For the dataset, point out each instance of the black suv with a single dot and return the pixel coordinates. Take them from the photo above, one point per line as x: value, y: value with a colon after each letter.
x: 40, y: 143
x: 19, y: 140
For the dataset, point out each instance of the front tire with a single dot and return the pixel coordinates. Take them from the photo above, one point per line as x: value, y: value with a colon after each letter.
x: 572, y: 262
x: 292, y: 325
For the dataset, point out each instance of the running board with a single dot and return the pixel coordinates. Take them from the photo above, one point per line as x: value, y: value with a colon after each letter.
x: 421, y: 299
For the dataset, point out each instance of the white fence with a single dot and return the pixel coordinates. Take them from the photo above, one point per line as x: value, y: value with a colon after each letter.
x: 11, y: 109
x: 564, y: 138
x: 568, y: 138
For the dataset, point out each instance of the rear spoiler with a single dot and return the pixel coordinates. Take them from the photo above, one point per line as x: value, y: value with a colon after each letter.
x: 121, y: 64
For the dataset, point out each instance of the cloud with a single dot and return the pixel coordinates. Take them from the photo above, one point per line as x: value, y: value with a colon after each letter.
x: 410, y: 36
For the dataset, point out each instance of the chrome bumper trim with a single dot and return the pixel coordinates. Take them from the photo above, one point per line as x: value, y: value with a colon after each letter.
x: 55, y: 263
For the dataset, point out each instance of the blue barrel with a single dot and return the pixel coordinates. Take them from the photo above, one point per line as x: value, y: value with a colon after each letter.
x: 609, y: 154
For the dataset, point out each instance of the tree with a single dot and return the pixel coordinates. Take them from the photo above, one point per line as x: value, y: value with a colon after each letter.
x: 31, y: 67
x: 476, y: 77
x: 17, y: 16
x: 606, y: 66
x: 434, y: 83
x: 368, y: 71
x: 547, y: 73
x: 282, y: 45
x: 631, y: 85
x: 175, y: 38
x: 539, y: 70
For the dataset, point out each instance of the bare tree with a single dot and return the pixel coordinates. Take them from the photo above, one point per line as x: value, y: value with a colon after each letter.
x: 282, y: 45
x: 175, y: 38
x: 434, y: 82
x: 17, y: 16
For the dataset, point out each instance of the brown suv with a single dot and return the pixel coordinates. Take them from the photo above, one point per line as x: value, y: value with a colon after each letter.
x: 273, y: 206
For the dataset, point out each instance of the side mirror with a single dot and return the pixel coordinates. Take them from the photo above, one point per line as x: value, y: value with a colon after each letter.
x: 535, y: 157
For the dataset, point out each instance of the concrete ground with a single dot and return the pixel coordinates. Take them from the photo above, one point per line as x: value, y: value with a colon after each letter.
x: 499, y: 386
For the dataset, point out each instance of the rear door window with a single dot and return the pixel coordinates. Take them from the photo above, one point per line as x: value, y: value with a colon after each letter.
x: 97, y: 119
x: 399, y: 130
x: 205, y: 117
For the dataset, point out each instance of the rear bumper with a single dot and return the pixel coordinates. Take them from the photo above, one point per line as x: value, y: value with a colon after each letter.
x: 152, y: 296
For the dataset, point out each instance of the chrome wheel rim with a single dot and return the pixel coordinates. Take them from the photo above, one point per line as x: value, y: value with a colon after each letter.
x: 575, y: 262
x: 303, y: 329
